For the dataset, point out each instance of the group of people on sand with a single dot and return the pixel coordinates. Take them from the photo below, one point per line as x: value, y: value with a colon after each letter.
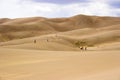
x: 82, y: 45
x: 83, y: 48
x: 35, y: 41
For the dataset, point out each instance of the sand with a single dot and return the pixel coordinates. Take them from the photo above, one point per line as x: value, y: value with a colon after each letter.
x: 17, y: 64
x: 29, y: 62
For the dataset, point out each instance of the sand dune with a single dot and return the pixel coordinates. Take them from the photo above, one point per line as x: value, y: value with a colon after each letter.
x: 11, y: 29
x: 39, y: 48
x: 64, y: 41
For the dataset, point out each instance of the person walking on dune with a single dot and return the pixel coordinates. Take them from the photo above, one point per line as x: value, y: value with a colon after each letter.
x: 85, y: 48
x: 34, y: 41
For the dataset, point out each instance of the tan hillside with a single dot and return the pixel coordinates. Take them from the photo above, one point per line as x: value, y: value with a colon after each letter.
x: 23, y: 20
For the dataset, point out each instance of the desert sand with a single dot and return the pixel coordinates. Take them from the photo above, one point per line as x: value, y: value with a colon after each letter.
x: 39, y: 48
x: 17, y: 64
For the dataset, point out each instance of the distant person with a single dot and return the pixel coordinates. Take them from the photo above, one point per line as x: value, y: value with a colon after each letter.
x: 85, y: 48
x: 34, y: 41
x: 81, y: 48
x: 47, y: 40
